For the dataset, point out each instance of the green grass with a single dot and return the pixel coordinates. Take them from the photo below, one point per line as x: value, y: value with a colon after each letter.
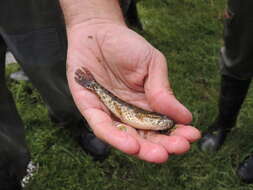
x: 189, y: 33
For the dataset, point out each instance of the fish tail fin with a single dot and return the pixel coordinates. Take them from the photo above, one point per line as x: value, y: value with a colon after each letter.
x: 84, y: 78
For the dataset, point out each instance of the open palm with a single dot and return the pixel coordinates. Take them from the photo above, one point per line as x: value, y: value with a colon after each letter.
x: 128, y: 66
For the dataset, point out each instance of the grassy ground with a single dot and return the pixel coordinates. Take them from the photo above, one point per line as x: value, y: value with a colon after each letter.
x: 189, y: 33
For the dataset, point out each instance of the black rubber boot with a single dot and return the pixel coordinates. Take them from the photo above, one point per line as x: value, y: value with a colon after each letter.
x: 93, y: 146
x: 245, y: 170
x: 232, y: 94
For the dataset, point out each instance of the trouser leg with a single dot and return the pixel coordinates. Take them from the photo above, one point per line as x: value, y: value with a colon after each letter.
x: 236, y: 69
x: 236, y: 60
x: 42, y: 55
x: 237, y: 54
x: 14, y: 155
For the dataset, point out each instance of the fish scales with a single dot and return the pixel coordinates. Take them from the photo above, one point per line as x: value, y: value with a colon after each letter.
x: 127, y: 113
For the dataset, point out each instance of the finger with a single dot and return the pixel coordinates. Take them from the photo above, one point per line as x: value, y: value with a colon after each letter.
x: 103, y: 128
x: 149, y: 151
x: 173, y: 144
x: 152, y: 152
x: 188, y: 132
x: 159, y: 94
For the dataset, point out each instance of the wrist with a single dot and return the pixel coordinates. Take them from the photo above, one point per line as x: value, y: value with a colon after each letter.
x: 79, y: 11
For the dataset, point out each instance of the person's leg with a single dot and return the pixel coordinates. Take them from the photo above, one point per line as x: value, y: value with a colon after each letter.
x: 237, y: 71
x: 14, y: 153
x: 42, y: 55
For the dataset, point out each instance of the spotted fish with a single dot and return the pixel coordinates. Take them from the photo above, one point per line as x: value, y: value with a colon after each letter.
x: 127, y: 113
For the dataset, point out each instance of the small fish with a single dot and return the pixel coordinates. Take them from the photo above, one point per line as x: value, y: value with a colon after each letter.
x: 127, y: 113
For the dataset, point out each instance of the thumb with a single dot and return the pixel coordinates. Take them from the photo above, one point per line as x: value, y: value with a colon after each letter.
x: 160, y: 95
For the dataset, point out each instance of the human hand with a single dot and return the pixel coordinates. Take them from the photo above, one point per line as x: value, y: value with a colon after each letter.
x: 128, y: 66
